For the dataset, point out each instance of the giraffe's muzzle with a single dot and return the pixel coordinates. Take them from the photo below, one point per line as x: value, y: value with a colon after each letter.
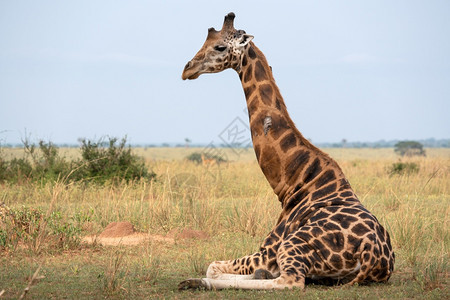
x: 190, y: 72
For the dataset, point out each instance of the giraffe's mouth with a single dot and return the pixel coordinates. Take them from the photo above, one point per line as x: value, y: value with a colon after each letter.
x: 190, y: 74
x: 193, y: 76
x: 190, y: 71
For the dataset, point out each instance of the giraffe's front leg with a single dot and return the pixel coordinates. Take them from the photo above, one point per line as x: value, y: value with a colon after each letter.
x: 217, y: 270
x: 260, y: 264
x: 227, y: 270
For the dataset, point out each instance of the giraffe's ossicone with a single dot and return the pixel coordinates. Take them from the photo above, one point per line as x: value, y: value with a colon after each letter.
x: 323, y: 232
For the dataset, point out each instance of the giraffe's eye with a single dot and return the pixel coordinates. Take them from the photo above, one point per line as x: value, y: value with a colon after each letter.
x: 220, y: 48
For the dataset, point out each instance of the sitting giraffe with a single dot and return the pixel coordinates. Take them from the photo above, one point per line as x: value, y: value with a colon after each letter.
x: 323, y: 232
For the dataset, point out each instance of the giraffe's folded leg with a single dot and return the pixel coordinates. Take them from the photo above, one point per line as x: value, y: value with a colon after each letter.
x: 280, y: 283
x: 218, y: 284
x: 245, y: 268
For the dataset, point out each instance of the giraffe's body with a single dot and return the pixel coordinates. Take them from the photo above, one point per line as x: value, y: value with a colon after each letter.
x: 323, y: 231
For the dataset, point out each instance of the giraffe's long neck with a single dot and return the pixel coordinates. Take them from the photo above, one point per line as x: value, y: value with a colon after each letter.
x: 291, y: 164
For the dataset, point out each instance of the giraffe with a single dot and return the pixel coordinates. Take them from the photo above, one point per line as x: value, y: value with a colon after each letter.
x: 323, y: 231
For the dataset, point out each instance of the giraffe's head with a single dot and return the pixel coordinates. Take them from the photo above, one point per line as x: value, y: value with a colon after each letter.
x: 222, y: 50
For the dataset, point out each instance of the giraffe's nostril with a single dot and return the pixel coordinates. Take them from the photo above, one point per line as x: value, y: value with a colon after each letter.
x: 188, y: 65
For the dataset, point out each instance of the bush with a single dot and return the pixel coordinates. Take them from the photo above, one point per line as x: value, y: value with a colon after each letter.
x: 16, y: 170
x: 100, y: 162
x: 49, y: 166
x: 38, y: 163
x: 21, y: 225
x: 400, y: 168
x: 195, y: 157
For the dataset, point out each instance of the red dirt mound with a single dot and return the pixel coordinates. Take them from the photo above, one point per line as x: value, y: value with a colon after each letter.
x: 118, y: 229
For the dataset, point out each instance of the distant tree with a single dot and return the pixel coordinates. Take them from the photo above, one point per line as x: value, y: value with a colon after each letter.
x: 188, y: 141
x: 409, y: 148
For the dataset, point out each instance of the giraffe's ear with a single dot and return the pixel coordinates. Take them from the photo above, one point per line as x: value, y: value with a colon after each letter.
x: 244, y: 39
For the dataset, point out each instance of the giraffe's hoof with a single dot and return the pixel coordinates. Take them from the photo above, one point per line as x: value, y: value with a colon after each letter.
x: 193, y: 283
x: 263, y: 274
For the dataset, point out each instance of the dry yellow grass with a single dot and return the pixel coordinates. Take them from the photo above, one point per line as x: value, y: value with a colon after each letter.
x: 236, y: 206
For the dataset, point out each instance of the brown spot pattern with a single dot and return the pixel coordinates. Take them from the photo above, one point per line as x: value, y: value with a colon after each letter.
x: 248, y: 74
x: 288, y: 142
x: 295, y: 163
x: 279, y: 126
x: 266, y: 92
x: 260, y: 72
x: 251, y: 53
x: 271, y: 165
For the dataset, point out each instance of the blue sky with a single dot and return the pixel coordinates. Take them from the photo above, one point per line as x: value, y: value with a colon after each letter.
x: 359, y: 70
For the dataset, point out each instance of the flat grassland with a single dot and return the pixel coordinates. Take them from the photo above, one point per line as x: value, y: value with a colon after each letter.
x: 234, y: 205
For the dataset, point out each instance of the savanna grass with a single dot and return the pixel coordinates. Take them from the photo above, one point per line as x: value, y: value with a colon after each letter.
x: 234, y: 204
